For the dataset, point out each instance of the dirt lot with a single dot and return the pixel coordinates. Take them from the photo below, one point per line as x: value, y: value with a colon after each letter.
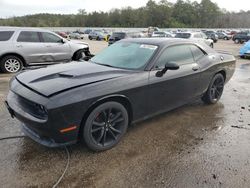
x: 193, y: 146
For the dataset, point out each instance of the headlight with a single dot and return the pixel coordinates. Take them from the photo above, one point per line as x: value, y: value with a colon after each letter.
x: 41, y: 110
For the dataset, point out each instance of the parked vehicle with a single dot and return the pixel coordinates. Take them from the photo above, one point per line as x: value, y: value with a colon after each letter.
x: 116, y: 36
x: 63, y: 34
x: 76, y: 36
x: 87, y: 31
x: 162, y: 34
x: 241, y: 37
x: 131, y: 80
x: 30, y: 46
x: 79, y: 32
x: 245, y: 50
x: 151, y: 30
x: 97, y: 35
x: 223, y: 35
x: 197, y: 36
x: 212, y: 35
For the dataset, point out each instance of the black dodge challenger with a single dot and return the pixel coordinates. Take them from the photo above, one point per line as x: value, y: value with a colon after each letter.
x: 132, y: 80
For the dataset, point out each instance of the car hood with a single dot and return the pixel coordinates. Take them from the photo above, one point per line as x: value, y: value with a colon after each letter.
x: 59, y: 78
x: 78, y: 42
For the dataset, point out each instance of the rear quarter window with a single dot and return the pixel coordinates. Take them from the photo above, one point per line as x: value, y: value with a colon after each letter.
x: 6, y: 35
x: 197, y: 53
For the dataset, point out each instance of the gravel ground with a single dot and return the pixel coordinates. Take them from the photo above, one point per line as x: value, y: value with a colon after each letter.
x: 193, y: 146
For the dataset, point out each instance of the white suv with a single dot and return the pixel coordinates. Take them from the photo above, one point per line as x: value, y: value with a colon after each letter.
x: 197, y: 36
x: 31, y: 46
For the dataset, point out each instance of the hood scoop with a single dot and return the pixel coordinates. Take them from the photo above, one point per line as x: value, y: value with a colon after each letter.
x: 65, y: 75
x: 57, y: 79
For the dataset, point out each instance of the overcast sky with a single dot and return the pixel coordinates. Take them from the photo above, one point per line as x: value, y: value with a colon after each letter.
x: 10, y: 8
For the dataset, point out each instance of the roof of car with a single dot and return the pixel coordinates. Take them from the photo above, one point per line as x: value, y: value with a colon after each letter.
x: 162, y: 42
x: 157, y: 41
x: 3, y: 28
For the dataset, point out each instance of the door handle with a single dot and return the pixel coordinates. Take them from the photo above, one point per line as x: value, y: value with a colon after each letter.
x: 195, y: 68
x: 19, y: 46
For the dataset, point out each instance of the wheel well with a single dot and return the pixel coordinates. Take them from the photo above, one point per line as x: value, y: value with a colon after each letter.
x: 223, y: 74
x: 120, y: 99
x: 17, y: 55
x: 74, y: 55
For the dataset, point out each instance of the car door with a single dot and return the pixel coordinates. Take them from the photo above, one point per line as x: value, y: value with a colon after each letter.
x: 56, y: 48
x: 29, y: 45
x: 204, y: 61
x: 175, y: 87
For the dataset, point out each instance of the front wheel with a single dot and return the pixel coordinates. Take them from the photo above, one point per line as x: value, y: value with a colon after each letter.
x: 11, y: 64
x: 105, y: 126
x: 215, y: 90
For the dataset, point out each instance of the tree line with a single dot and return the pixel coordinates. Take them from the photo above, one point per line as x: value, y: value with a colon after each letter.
x: 182, y: 14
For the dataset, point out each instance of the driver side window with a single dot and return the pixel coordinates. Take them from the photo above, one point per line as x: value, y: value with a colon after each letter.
x: 180, y: 54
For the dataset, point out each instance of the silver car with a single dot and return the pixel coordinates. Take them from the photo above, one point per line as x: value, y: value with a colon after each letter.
x: 196, y: 36
x: 31, y: 46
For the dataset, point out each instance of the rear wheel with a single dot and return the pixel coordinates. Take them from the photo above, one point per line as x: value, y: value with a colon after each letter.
x: 212, y: 45
x: 11, y: 64
x: 90, y: 38
x: 105, y: 126
x: 215, y: 90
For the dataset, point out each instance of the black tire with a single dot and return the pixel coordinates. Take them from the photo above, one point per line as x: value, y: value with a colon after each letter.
x: 11, y: 64
x: 215, y: 90
x: 212, y: 45
x: 90, y: 38
x: 97, y: 38
x: 105, y: 126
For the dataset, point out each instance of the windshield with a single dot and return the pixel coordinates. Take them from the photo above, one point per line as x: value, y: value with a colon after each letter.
x: 183, y: 35
x: 125, y: 55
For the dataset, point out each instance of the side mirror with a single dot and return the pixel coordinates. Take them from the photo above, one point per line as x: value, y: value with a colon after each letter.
x: 63, y: 41
x: 168, y: 66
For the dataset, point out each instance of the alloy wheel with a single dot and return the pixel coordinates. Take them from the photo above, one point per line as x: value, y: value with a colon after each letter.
x: 12, y: 65
x: 107, y: 126
x: 217, y: 89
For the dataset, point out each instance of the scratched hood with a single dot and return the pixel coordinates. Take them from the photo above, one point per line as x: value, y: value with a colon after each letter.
x: 58, y: 78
